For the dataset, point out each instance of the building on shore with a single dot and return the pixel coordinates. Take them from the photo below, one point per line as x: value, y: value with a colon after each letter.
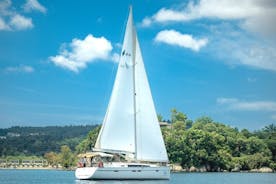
x: 24, y: 163
x: 165, y: 124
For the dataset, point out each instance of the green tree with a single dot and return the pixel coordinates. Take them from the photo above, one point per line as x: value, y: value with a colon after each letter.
x: 159, y: 117
x: 246, y: 133
x: 88, y: 143
x: 255, y: 145
x: 52, y: 158
x: 268, y: 135
x: 67, y: 159
x: 177, y: 116
x: 189, y: 123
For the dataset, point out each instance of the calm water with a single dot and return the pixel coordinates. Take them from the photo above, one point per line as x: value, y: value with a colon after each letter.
x: 67, y: 177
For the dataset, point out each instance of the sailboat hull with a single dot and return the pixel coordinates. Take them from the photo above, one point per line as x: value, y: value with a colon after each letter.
x: 123, y: 173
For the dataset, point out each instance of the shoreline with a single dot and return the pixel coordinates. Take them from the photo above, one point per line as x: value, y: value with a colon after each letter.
x: 172, y: 171
x: 30, y: 168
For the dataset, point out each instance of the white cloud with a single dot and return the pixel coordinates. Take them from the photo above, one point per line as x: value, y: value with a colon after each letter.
x: 256, y: 15
x: 146, y: 22
x: 236, y: 104
x: 20, y: 22
x: 79, y: 53
x: 173, y: 37
x: 258, y: 57
x: 227, y: 36
x: 245, y: 49
x: 19, y: 69
x: 165, y: 15
x: 115, y: 57
x: 4, y: 25
x: 12, y: 20
x: 34, y: 5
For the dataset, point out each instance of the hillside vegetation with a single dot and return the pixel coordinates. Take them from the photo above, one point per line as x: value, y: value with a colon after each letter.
x: 37, y: 141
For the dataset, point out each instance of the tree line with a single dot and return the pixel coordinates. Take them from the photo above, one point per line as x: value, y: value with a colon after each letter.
x: 210, y: 145
x: 215, y: 146
x: 203, y: 143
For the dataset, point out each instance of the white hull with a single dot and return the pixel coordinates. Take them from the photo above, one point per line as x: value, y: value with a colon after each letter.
x: 123, y: 173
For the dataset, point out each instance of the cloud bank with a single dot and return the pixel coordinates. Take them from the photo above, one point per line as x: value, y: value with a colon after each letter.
x: 246, y: 29
x: 255, y: 15
x: 12, y: 20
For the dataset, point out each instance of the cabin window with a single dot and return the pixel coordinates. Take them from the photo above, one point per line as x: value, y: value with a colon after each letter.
x: 138, y: 165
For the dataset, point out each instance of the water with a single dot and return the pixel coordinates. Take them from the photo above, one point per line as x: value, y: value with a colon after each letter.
x: 67, y: 177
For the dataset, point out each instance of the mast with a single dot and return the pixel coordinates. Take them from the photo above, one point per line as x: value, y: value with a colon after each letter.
x: 134, y: 85
x: 130, y: 125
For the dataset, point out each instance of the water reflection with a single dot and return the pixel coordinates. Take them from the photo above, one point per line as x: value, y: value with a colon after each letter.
x: 122, y: 181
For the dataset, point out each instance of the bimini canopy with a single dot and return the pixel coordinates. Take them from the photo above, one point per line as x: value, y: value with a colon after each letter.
x: 93, y: 154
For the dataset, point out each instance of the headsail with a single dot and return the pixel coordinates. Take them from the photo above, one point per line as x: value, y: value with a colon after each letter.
x: 117, y: 129
x: 130, y: 122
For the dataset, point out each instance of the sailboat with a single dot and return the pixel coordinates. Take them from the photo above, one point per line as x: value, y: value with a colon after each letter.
x: 130, y: 143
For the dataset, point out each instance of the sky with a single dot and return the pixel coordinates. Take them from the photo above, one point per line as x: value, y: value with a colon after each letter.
x: 58, y: 59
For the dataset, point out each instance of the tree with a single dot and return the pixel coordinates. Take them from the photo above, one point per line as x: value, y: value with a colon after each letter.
x: 159, y: 117
x: 255, y: 145
x: 67, y: 159
x: 204, y: 120
x: 52, y: 158
x: 268, y: 135
x: 189, y: 123
x: 88, y: 143
x: 177, y: 116
x: 270, y: 129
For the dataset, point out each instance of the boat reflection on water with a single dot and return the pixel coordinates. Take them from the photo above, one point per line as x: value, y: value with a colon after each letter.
x: 122, y: 181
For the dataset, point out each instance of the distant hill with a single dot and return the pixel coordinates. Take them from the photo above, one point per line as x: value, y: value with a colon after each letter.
x: 39, y: 140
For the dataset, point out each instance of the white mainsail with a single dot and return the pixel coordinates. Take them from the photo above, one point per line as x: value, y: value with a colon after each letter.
x: 130, y: 123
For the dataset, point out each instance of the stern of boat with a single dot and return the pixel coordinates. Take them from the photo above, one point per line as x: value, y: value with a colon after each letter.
x: 85, y: 173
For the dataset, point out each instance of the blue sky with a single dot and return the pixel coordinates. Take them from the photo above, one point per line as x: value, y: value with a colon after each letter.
x: 58, y: 59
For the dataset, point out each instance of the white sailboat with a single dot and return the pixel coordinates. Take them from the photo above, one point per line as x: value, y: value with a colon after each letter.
x: 130, y: 129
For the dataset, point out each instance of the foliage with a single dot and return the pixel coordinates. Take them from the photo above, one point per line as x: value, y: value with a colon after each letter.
x: 203, y: 144
x: 215, y: 146
x: 88, y: 143
x: 66, y: 157
x: 159, y: 117
x: 177, y: 116
x: 210, y: 145
x: 52, y: 158
x: 268, y: 135
x: 40, y: 140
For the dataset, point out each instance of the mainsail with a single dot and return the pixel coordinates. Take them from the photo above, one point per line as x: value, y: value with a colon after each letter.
x: 130, y: 124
